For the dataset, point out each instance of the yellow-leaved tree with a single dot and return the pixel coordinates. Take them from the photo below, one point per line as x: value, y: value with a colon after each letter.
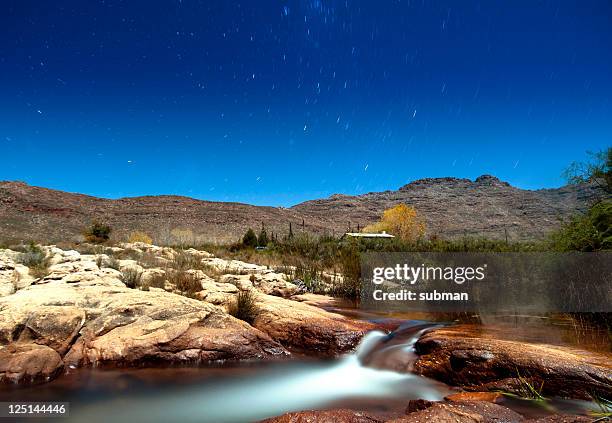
x: 402, y: 221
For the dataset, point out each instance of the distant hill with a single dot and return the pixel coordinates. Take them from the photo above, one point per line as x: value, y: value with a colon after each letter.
x: 452, y: 208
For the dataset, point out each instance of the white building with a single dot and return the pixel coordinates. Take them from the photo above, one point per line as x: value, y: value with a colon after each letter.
x: 383, y: 234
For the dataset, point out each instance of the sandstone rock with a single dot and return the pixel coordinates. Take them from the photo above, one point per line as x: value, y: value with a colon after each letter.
x: 8, y: 276
x: 28, y: 363
x: 130, y: 264
x: 242, y: 282
x: 217, y: 293
x: 53, y: 326
x: 318, y: 300
x: 325, y: 416
x: 265, y: 281
x: 272, y: 283
x: 476, y: 396
x: 462, y: 412
x: 460, y: 356
x: 233, y: 266
x: 458, y: 412
x: 199, y: 253
x: 561, y: 418
x: 148, y: 275
x: 57, y: 255
x: 418, y: 405
x: 90, y: 317
x: 303, y: 327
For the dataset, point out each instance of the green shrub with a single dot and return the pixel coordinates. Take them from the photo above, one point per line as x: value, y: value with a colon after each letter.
x: 249, y: 239
x: 244, y: 307
x: 97, y: 232
x: 262, y: 239
x: 589, y: 232
x: 36, y: 259
x: 32, y: 255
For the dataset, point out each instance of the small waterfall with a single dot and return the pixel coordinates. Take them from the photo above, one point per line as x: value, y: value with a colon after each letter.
x: 368, y: 343
x: 275, y: 390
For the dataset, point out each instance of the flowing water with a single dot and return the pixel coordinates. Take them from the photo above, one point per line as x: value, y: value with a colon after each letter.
x: 375, y: 378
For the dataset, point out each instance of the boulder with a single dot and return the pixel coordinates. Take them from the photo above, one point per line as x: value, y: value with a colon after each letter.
x: 325, y: 416
x: 242, y: 282
x: 267, y: 281
x: 302, y: 327
x: 462, y: 412
x: 464, y: 357
x: 217, y: 293
x: 28, y: 363
x: 53, y: 326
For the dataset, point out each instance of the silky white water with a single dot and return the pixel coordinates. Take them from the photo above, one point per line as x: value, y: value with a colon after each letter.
x: 273, y: 391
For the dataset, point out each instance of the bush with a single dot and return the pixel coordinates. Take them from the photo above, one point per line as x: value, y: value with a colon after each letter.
x: 97, y: 232
x: 138, y: 236
x: 185, y: 282
x: 589, y: 232
x: 131, y: 277
x: 244, y: 307
x: 32, y: 255
x: 36, y: 259
x: 249, y: 239
x: 262, y: 239
x: 157, y: 281
x: 113, y: 263
x: 186, y: 261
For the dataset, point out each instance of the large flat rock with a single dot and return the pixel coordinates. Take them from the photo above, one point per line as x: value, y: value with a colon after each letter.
x: 96, y: 320
x: 464, y: 357
x: 300, y: 326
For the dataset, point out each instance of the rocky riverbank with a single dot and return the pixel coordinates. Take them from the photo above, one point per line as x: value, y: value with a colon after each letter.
x: 81, y: 313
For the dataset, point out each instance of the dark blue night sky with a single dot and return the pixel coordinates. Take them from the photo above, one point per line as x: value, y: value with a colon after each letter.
x: 272, y: 102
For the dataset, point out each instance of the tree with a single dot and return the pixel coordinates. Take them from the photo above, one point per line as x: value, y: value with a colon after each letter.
x: 97, y: 232
x: 401, y: 221
x: 139, y: 236
x: 589, y: 232
x: 597, y: 170
x: 262, y: 239
x: 249, y: 239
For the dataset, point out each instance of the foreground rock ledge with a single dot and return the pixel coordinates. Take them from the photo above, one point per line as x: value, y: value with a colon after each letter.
x: 451, y: 412
x: 44, y: 328
x: 462, y: 357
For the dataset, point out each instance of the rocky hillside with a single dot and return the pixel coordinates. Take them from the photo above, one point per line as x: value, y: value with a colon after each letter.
x: 454, y: 207
x: 451, y: 207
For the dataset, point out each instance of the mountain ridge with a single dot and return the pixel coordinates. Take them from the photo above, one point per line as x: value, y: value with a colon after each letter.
x: 452, y: 207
